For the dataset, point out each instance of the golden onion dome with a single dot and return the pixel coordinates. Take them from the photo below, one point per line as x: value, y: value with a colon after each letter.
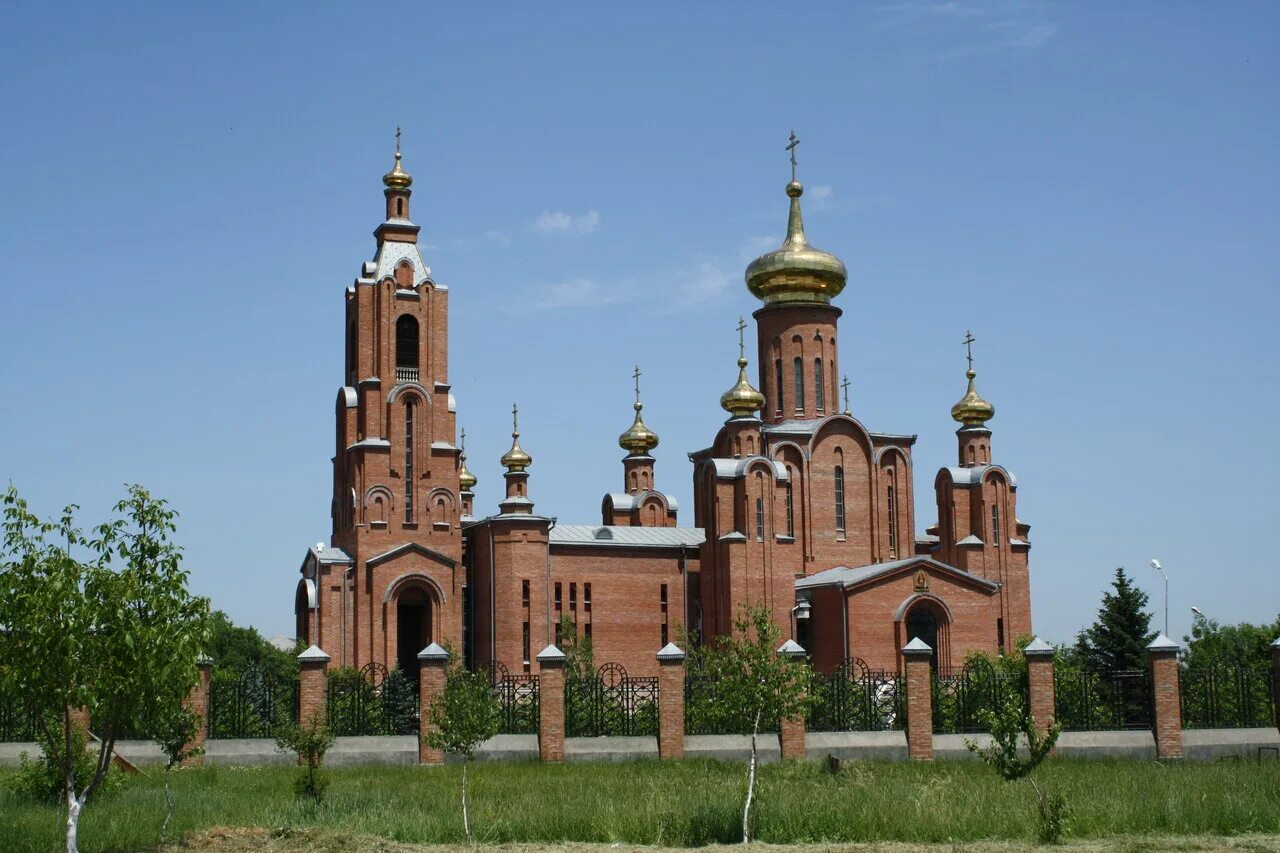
x: 972, y: 410
x: 466, y: 480
x: 742, y: 400
x: 515, y: 459
x: 397, y: 178
x: 796, y: 272
x: 639, y: 439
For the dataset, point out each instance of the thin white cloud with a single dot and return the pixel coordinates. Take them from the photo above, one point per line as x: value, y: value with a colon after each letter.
x: 559, y: 222
x: 579, y: 293
x: 498, y: 236
x: 986, y: 27
x: 698, y: 284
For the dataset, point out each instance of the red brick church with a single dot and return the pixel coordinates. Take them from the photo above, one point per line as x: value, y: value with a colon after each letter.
x: 798, y: 506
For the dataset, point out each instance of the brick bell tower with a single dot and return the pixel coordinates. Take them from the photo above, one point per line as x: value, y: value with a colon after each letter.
x: 391, y: 581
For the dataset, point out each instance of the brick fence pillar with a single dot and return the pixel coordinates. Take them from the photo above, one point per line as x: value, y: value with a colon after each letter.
x: 551, y: 704
x: 1275, y: 678
x: 1166, y: 696
x: 919, y: 699
x: 791, y: 738
x: 198, y: 702
x: 313, y: 685
x: 671, y: 702
x: 1041, y: 700
x: 432, y: 664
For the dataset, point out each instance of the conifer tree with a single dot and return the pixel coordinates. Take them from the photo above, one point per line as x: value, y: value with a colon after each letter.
x: 1118, y: 639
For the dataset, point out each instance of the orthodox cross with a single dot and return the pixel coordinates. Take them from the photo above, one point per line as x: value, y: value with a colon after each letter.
x: 464, y: 440
x: 844, y: 386
x: 742, y: 347
x: 795, y: 140
x: 968, y: 345
x: 515, y: 419
x: 397, y: 141
x: 636, y: 376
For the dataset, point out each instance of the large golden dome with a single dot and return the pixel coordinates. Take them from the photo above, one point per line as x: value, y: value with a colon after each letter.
x: 796, y: 272
x: 972, y: 410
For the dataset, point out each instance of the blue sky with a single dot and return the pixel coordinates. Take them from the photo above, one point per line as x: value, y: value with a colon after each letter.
x: 1091, y: 188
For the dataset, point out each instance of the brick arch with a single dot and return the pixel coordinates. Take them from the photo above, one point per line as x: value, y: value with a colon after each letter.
x: 942, y: 618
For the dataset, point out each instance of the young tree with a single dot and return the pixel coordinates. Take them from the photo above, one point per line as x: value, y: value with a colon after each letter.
x: 463, y: 717
x: 752, y: 678
x: 309, y: 740
x: 1213, y: 644
x: 1008, y: 723
x: 173, y: 732
x: 105, y: 624
x: 1118, y: 639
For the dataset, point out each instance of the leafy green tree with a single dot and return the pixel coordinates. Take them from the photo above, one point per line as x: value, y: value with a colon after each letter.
x: 236, y: 648
x: 309, y: 740
x: 1009, y: 723
x: 579, y: 656
x: 173, y: 731
x: 104, y: 623
x: 1118, y: 639
x: 1213, y: 644
x: 463, y: 717
x: 751, y: 677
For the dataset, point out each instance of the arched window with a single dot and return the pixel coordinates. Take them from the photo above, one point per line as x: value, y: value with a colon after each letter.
x: 799, y: 365
x: 791, y: 512
x: 777, y: 385
x: 995, y: 525
x: 923, y: 624
x: 819, y: 387
x: 399, y: 207
x: 408, y: 461
x: 893, y: 522
x: 406, y: 349
x: 839, y: 499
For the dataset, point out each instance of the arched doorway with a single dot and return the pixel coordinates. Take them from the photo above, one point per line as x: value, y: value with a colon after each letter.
x: 926, y: 622
x: 413, y: 627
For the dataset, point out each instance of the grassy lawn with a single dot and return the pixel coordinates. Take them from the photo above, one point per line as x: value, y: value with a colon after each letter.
x: 674, y: 804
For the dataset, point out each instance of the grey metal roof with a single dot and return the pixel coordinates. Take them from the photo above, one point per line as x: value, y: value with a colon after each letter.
x: 379, y: 443
x: 391, y: 253
x: 973, y: 476
x: 626, y: 537
x: 970, y: 540
x: 327, y: 554
x: 732, y: 469
x: 843, y: 576
x: 625, y: 502
x: 349, y: 398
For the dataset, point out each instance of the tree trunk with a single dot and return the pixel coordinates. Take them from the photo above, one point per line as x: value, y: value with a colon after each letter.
x: 751, y: 783
x: 168, y: 806
x: 73, y: 821
x: 466, y: 821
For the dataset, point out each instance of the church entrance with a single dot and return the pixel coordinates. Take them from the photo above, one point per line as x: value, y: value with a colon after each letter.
x: 924, y: 622
x: 413, y: 628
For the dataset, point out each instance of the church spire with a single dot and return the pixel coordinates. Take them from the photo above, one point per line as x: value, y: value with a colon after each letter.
x: 516, y: 461
x: 398, y: 183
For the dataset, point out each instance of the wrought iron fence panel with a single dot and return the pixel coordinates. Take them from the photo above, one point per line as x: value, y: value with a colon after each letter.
x: 1228, y: 697
x: 704, y: 716
x: 611, y: 703
x: 961, y: 701
x: 1100, y: 701
x: 372, y: 701
x: 134, y: 729
x: 856, y: 699
x: 251, y: 703
x: 17, y: 722
x: 518, y: 697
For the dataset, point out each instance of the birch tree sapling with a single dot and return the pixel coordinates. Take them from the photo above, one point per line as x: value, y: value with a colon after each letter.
x: 464, y: 716
x: 103, y: 623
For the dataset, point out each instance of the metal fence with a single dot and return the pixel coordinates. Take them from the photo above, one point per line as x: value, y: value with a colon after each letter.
x: 610, y: 703
x: 1098, y: 701
x: 17, y: 723
x: 372, y: 701
x: 961, y: 701
x: 518, y: 698
x: 856, y: 699
x: 1228, y: 697
x: 704, y: 716
x: 252, y: 703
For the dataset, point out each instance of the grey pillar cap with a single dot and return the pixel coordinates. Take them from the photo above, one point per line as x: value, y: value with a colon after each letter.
x: 433, y: 652
x: 917, y: 647
x: 670, y: 652
x: 1038, y: 648
x: 314, y: 654
x: 1275, y: 644
x: 1163, y: 644
x: 791, y: 649
x: 551, y: 655
x: 203, y: 660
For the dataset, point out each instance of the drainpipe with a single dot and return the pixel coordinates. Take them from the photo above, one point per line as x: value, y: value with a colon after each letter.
x: 550, y: 527
x: 844, y: 620
x: 493, y: 613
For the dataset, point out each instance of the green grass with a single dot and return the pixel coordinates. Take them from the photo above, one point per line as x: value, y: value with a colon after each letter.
x: 678, y: 803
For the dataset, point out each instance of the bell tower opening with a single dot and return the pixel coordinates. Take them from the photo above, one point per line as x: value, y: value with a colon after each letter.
x: 413, y: 628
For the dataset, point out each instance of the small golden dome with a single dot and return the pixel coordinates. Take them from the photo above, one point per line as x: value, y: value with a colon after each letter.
x: 516, y: 460
x: 639, y: 439
x: 742, y: 400
x: 972, y: 410
x: 397, y: 178
x: 466, y: 480
x: 796, y: 272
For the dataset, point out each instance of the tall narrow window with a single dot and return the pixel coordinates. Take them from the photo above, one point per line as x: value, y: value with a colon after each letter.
x: 525, y: 646
x: 573, y: 596
x: 586, y: 597
x: 759, y: 519
x: 399, y: 207
x: 1000, y: 634
x: 791, y: 511
x: 893, y: 522
x: 995, y: 525
x: 839, y: 499
x: 408, y: 462
x: 524, y: 593
x: 819, y: 387
x: 559, y: 595
x: 663, y: 639
x: 662, y: 597
x: 799, y: 365
x: 777, y: 385
x: 406, y: 349
x: 586, y: 630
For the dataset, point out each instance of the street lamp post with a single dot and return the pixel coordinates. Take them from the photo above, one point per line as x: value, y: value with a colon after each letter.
x: 1155, y: 564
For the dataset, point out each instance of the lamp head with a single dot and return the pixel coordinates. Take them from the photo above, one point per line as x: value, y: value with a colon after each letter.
x: 1155, y: 564
x: 1197, y: 611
